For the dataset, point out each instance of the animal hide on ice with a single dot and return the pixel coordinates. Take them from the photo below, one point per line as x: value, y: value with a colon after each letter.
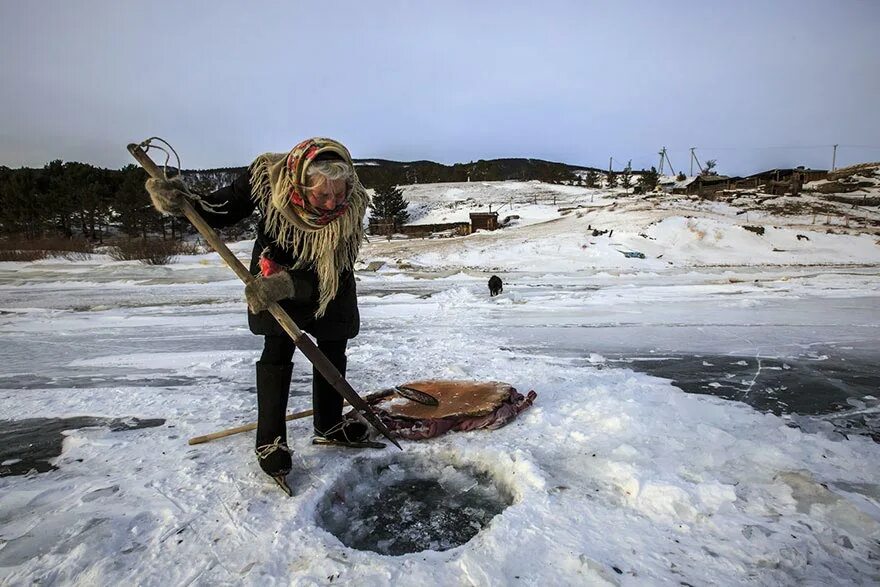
x: 462, y: 406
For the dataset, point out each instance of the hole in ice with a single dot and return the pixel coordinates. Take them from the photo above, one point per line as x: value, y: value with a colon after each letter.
x: 410, y: 504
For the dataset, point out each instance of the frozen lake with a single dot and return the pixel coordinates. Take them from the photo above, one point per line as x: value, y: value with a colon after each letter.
x: 611, y: 439
x: 814, y: 332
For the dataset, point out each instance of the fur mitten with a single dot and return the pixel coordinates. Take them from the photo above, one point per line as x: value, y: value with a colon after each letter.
x: 167, y: 195
x: 262, y: 291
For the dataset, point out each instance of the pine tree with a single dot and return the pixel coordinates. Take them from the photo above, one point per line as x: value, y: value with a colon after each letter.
x: 610, y: 180
x: 131, y: 202
x: 648, y: 180
x: 592, y: 179
x: 626, y: 176
x: 389, y: 205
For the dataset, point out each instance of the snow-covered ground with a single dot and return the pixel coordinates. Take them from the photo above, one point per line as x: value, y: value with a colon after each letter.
x: 614, y: 476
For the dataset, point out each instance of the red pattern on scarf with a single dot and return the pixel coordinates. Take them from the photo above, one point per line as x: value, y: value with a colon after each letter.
x: 331, y: 215
x: 296, y: 198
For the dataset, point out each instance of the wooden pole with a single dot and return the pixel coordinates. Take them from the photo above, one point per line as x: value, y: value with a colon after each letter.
x: 665, y: 154
x: 244, y: 428
x: 361, y: 408
x: 694, y: 154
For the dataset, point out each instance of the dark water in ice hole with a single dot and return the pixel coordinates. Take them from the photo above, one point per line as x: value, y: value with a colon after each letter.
x: 409, y: 505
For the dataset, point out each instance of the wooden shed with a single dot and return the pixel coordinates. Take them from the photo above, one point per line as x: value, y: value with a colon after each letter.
x: 804, y: 174
x: 786, y: 181
x: 705, y: 185
x: 423, y: 230
x: 380, y: 227
x: 484, y: 221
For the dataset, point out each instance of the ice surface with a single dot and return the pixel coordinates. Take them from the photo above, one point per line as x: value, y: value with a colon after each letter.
x: 615, y: 476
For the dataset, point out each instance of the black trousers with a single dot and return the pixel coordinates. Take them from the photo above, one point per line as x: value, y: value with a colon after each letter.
x: 326, y: 401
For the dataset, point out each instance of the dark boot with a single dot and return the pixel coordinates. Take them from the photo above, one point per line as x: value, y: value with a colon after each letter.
x: 273, y: 387
x: 327, y: 402
x: 345, y: 432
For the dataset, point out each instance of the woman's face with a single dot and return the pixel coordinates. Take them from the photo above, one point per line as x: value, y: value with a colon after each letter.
x: 328, y: 194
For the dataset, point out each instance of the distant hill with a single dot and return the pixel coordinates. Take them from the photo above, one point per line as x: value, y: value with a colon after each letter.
x: 374, y: 172
x: 68, y: 198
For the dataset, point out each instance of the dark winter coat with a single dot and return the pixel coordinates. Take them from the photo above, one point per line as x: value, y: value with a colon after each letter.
x: 341, y: 321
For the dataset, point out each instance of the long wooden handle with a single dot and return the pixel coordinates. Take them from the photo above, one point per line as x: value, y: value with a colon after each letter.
x: 245, y: 428
x: 361, y: 408
x: 203, y: 227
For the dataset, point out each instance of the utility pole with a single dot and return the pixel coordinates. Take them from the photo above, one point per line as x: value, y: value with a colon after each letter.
x: 834, y: 158
x: 610, y: 159
x: 662, y: 154
x: 694, y: 158
x: 671, y: 168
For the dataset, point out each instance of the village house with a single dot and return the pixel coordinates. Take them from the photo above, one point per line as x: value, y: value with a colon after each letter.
x: 484, y: 221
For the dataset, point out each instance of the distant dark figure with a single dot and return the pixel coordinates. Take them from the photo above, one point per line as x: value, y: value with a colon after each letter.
x: 494, y: 285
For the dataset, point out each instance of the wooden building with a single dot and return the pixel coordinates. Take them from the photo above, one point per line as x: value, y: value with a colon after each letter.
x: 420, y: 230
x: 783, y: 181
x: 801, y: 173
x: 705, y: 185
x: 380, y: 227
x: 449, y: 228
x: 484, y: 221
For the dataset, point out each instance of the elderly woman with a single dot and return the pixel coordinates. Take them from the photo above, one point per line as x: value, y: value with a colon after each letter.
x: 311, y: 206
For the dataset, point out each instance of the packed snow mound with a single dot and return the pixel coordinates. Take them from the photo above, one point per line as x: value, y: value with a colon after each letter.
x: 520, y: 202
x: 561, y: 228
x: 705, y: 241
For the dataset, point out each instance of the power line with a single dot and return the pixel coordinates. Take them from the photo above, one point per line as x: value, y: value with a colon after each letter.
x: 786, y: 147
x: 828, y: 146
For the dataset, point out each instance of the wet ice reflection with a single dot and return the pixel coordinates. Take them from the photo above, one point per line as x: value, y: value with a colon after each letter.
x: 33, y: 443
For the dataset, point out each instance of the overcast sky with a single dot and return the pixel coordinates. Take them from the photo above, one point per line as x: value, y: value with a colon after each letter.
x: 753, y: 84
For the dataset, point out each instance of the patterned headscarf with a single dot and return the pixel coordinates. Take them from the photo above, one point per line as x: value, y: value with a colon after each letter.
x: 328, y: 241
x: 298, y: 161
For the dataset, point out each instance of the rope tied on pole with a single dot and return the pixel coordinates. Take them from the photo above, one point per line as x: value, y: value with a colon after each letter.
x: 177, y: 178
